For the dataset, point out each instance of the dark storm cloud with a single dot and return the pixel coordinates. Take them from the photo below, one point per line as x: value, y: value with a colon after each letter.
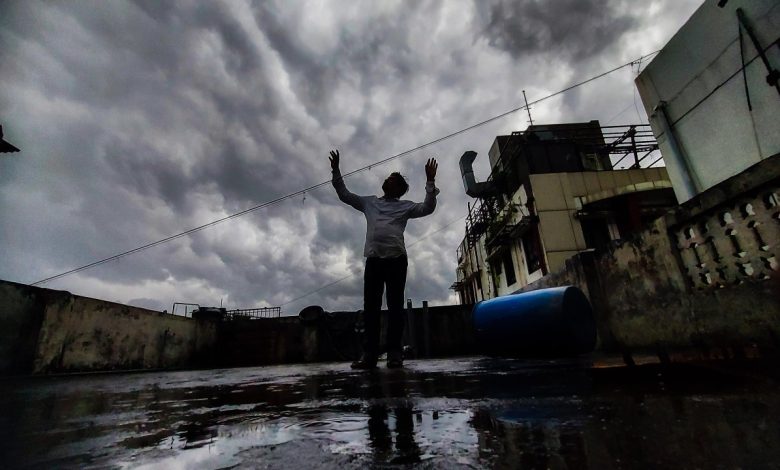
x: 157, y: 77
x: 141, y: 119
x: 380, y: 53
x: 573, y: 29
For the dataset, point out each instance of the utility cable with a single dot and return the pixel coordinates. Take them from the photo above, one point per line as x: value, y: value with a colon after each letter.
x: 619, y: 114
x: 318, y: 185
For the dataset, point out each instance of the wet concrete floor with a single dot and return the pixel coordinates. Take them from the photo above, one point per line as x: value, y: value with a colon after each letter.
x: 450, y: 413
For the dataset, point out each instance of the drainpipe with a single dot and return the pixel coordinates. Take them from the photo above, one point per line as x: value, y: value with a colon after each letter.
x: 773, y: 77
x: 676, y: 155
x: 474, y: 189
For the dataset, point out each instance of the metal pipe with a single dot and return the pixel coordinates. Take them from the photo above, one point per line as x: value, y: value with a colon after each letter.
x: 676, y: 155
x: 773, y: 76
x: 474, y: 189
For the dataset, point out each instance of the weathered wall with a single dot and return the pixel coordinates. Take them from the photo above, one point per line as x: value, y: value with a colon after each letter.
x: 441, y: 331
x: 431, y: 332
x: 55, y: 331
x: 21, y: 315
x: 261, y: 341
x: 650, y: 301
x: 703, y: 277
x: 558, y: 196
x: 46, y: 331
x: 80, y: 333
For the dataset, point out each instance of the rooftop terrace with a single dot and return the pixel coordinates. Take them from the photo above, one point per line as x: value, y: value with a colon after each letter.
x: 469, y: 412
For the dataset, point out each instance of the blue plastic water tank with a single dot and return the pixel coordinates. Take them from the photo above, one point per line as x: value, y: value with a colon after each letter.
x: 553, y: 322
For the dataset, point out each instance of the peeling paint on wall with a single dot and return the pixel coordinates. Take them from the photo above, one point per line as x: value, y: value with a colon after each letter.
x: 55, y: 331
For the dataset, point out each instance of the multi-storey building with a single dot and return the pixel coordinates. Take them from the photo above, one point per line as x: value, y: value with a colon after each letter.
x: 554, y: 191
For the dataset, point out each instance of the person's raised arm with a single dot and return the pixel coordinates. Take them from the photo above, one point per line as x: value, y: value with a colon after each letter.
x: 421, y: 209
x: 338, y: 182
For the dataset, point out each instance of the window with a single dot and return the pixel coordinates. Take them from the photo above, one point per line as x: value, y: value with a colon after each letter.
x: 596, y: 233
x: 532, y: 252
x: 509, y: 267
x: 495, y: 265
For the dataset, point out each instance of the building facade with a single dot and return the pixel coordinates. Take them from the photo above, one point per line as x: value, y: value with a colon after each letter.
x: 555, y: 191
x: 713, y: 94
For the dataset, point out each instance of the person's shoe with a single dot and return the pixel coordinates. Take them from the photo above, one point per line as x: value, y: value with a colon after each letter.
x: 364, y: 363
x: 395, y: 360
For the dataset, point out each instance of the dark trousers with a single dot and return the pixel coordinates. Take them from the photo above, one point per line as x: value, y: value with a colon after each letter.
x: 380, y: 272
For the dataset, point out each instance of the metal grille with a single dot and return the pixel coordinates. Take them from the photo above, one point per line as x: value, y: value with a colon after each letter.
x: 479, y: 218
x: 254, y: 313
x: 733, y: 242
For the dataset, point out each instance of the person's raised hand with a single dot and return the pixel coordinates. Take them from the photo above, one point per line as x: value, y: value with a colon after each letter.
x: 334, y: 159
x: 430, y: 169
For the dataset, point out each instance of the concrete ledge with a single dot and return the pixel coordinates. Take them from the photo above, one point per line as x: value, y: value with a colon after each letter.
x: 48, y: 331
x: 760, y: 174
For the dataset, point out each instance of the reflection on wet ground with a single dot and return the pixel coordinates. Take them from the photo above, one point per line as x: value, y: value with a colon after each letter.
x: 465, y: 412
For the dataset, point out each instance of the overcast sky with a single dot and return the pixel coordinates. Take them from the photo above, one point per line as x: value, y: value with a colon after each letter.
x: 138, y: 120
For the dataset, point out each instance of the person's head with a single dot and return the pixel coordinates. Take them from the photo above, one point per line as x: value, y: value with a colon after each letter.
x: 395, y: 185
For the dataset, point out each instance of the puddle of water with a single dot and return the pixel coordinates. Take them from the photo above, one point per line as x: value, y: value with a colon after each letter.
x: 467, y: 412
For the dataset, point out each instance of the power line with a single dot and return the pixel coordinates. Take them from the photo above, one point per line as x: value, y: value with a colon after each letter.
x: 619, y: 114
x: 318, y: 185
x: 639, y: 63
x: 429, y: 234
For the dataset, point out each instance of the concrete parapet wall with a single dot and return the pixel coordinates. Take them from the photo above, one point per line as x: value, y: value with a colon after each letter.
x: 262, y: 341
x: 334, y: 336
x: 46, y: 331
x: 54, y: 331
x: 651, y: 303
x: 442, y: 331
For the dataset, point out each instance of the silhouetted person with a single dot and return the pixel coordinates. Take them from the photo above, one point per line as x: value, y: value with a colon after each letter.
x: 407, y: 451
x: 385, y: 254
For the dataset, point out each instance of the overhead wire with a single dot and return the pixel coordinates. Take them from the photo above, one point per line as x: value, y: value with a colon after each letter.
x: 318, y: 185
x: 619, y: 114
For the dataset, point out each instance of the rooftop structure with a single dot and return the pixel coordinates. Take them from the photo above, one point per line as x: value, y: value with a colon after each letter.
x: 713, y: 96
x: 555, y: 190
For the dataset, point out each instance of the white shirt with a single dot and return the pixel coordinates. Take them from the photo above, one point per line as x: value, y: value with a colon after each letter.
x: 386, y: 217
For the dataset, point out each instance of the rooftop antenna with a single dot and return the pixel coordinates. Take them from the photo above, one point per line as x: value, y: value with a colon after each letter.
x: 531, y: 121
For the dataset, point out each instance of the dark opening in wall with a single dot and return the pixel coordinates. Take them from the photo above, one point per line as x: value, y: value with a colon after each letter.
x: 533, y: 255
x: 509, y: 267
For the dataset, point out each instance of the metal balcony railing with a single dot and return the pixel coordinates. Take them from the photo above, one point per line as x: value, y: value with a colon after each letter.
x: 254, y: 313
